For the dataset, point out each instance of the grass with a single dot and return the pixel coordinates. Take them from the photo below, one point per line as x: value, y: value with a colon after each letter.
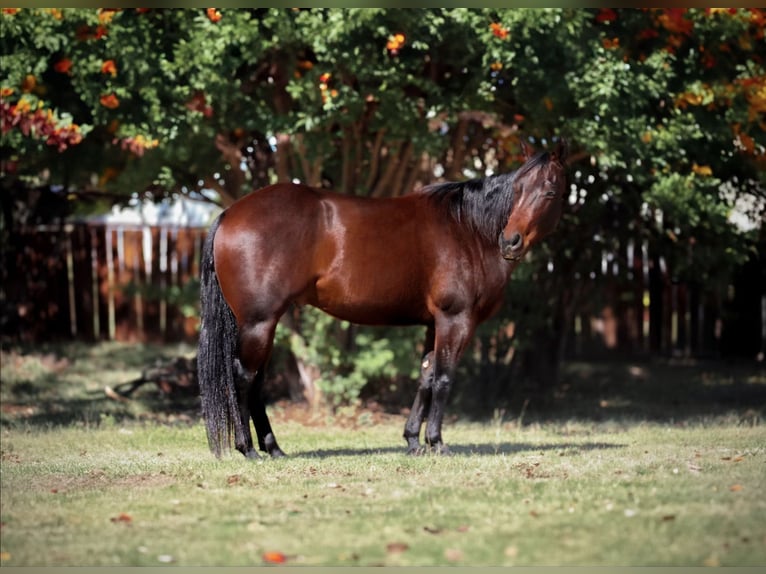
x: 616, y: 482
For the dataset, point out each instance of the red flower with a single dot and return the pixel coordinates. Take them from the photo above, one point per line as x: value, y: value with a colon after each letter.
x: 213, y: 14
x: 647, y: 34
x: 84, y: 32
x: 274, y: 557
x: 198, y: 103
x: 63, y: 66
x: 606, y: 15
x: 109, y: 101
x: 674, y: 20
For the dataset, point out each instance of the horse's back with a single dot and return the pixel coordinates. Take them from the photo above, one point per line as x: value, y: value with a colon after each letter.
x: 264, y: 247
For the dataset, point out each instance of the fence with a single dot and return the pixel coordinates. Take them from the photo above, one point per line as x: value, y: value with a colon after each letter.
x: 99, y: 281
x: 140, y: 283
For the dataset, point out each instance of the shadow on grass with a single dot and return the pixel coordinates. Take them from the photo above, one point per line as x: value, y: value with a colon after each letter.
x: 484, y: 449
x: 59, y: 385
x: 62, y: 385
x: 625, y: 392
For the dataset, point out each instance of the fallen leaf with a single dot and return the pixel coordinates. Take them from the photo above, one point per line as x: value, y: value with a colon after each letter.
x: 453, y: 554
x: 738, y: 459
x: 534, y: 513
x: 668, y: 517
x: 396, y: 547
x: 735, y: 487
x: 432, y: 530
x: 122, y: 517
x: 274, y: 557
x: 233, y: 479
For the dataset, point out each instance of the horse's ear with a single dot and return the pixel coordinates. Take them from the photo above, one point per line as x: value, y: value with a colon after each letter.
x: 526, y: 150
x: 561, y: 151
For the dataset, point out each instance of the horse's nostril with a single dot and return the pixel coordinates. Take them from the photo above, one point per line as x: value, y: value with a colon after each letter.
x: 515, y: 240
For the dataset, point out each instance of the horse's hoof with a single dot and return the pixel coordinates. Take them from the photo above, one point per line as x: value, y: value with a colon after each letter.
x: 441, y: 450
x: 416, y: 451
x: 277, y: 453
x: 436, y: 450
x: 252, y: 454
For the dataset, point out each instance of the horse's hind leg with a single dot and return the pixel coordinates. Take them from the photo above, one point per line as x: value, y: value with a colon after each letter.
x: 267, y: 442
x: 244, y: 385
x: 255, y: 344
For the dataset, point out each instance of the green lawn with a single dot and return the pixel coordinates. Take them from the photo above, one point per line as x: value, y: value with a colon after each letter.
x: 121, y: 484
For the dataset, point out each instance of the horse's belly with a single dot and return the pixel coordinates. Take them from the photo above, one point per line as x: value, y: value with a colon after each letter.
x: 369, y: 301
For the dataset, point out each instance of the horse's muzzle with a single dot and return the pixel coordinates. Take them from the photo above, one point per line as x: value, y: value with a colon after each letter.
x: 513, y: 247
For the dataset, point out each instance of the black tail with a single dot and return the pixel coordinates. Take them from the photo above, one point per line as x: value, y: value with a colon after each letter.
x: 218, y: 342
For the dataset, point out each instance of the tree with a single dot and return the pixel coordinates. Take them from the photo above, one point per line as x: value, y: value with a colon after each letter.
x: 663, y: 109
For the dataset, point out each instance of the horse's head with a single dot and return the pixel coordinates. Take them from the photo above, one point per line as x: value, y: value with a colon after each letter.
x: 539, y: 188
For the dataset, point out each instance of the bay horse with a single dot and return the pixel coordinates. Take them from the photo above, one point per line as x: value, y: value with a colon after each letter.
x: 439, y: 257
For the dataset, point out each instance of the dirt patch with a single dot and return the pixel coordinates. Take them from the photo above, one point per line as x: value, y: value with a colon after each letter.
x: 98, y: 479
x: 352, y: 417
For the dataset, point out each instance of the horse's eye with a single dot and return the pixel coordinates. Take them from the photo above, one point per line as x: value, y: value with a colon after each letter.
x: 550, y: 185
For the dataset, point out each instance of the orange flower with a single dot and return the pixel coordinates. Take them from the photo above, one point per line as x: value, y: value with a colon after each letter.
x: 29, y: 83
x: 213, y: 14
x: 703, y: 170
x: 10, y: 11
x: 611, y: 43
x: 5, y: 92
x: 109, y: 67
x: 109, y: 101
x: 22, y: 106
x: 394, y: 43
x: 63, y: 66
x: 498, y: 30
x: 105, y: 15
x: 496, y: 66
x: 324, y: 77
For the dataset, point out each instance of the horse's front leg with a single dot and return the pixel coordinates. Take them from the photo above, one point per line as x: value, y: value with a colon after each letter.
x: 452, y: 335
x: 422, y: 402
x: 421, y: 406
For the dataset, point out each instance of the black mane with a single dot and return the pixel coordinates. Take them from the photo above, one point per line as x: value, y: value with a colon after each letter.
x: 484, y: 204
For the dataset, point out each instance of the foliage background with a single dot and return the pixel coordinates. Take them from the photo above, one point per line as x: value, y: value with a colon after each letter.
x: 663, y: 109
